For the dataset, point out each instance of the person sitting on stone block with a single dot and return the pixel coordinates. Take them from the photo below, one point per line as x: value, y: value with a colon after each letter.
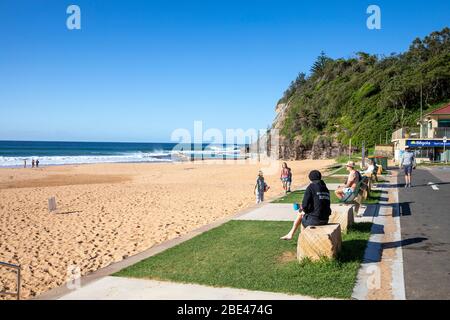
x: 315, y: 209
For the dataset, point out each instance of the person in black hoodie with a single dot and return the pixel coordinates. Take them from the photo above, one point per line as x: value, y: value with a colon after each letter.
x: 315, y: 205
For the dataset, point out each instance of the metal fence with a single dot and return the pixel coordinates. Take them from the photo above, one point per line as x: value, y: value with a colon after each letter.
x: 404, y: 133
x: 17, y: 268
x: 441, y: 132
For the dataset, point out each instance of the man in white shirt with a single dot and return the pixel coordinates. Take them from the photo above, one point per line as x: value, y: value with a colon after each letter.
x: 408, y: 163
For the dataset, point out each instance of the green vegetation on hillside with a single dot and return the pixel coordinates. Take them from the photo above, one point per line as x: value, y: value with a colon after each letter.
x: 366, y: 96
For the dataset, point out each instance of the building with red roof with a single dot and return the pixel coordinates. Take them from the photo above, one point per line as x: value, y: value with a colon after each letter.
x: 429, y: 139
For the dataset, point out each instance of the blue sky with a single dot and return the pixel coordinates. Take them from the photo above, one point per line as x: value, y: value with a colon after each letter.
x: 137, y: 70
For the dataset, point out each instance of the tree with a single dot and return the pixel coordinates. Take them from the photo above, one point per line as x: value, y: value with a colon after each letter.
x: 366, y: 94
x: 318, y: 68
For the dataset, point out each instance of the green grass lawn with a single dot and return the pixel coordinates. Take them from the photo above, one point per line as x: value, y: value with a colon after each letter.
x: 341, y: 180
x: 345, y: 158
x: 374, y: 197
x: 249, y: 255
x: 333, y: 179
x: 343, y: 170
x: 297, y: 197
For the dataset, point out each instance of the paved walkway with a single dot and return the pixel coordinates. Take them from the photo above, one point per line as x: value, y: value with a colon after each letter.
x: 381, y: 273
x: 285, y: 212
x: 113, y: 288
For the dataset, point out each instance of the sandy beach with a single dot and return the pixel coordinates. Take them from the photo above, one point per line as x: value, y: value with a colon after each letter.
x: 107, y: 212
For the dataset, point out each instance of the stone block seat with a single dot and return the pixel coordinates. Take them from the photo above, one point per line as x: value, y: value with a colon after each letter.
x: 345, y: 218
x: 316, y: 242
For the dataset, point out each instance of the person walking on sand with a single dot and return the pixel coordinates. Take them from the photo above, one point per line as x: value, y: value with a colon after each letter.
x: 260, y: 187
x: 24, y: 163
x: 32, y: 163
x: 344, y: 192
x: 289, y: 181
x: 284, y: 176
x: 37, y: 163
x: 315, y: 206
x: 408, y: 163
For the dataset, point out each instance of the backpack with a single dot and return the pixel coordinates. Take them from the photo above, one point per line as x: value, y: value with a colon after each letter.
x: 359, y: 175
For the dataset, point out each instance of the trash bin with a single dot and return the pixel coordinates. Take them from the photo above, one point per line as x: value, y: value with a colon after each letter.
x: 380, y: 161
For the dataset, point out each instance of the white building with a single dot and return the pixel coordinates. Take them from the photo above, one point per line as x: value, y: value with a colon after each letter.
x: 427, y: 140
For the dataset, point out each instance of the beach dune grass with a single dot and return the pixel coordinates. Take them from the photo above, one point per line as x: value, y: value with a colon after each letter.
x: 249, y: 255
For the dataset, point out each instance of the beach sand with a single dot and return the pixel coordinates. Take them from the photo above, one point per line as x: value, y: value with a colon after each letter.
x: 107, y: 212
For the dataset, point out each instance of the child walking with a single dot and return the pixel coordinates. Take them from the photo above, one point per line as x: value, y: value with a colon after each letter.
x: 260, y: 187
x: 284, y: 176
x: 289, y: 181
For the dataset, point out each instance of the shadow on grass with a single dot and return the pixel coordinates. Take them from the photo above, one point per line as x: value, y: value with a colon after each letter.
x: 353, y: 249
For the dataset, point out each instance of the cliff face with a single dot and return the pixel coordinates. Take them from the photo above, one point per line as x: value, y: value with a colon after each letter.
x: 322, y: 148
x: 362, y: 98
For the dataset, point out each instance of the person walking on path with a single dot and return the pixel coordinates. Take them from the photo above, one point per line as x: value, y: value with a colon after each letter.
x: 260, y: 187
x: 408, y: 163
x: 284, y: 177
x: 315, y: 206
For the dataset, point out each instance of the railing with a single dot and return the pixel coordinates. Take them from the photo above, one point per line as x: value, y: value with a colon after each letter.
x: 441, y: 132
x: 404, y: 133
x: 414, y: 133
x: 12, y: 266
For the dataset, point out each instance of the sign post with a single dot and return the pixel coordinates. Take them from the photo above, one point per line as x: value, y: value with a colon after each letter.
x: 363, y: 158
x: 51, y: 204
x: 445, y: 153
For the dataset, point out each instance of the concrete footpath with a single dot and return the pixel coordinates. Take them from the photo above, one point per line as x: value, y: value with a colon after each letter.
x: 116, y: 288
x: 381, y: 274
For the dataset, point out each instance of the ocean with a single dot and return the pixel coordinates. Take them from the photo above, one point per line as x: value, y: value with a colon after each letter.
x: 13, y: 153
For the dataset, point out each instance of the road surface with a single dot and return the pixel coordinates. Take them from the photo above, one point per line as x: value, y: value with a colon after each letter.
x: 425, y: 227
